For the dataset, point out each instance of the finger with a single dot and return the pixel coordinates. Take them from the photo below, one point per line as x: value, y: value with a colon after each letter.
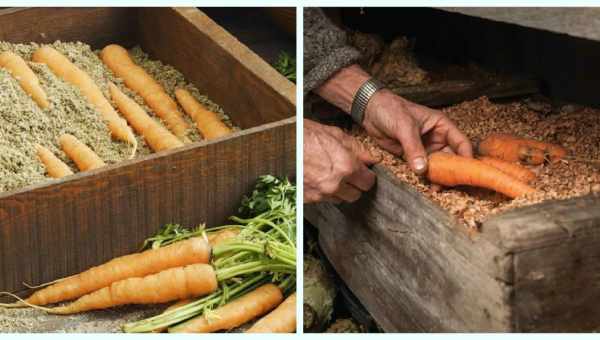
x: 363, y: 178
x: 361, y: 152
x: 391, y: 145
x: 331, y: 199
x: 459, y: 142
x: 414, y: 151
x: 348, y: 193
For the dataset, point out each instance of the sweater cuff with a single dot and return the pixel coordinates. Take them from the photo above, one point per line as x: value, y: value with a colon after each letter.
x: 336, y: 60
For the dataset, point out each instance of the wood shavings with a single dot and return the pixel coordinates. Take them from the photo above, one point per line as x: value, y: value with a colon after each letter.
x: 577, y: 130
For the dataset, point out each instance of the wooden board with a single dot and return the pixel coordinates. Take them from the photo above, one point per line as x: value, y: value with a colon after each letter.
x: 64, y: 226
x: 416, y: 269
x: 231, y: 74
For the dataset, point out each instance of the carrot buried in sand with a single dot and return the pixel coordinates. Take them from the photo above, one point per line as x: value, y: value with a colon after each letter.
x: 136, y: 78
x: 155, y: 134
x: 280, y: 320
x: 207, y: 121
x: 235, y: 313
x: 65, y: 69
x: 513, y: 169
x: 27, y: 79
x: 194, y: 250
x: 169, y: 285
x: 452, y: 170
x: 84, y: 157
x: 54, y: 166
x: 515, y: 149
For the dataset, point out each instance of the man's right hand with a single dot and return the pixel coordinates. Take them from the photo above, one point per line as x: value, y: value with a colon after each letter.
x: 335, y: 165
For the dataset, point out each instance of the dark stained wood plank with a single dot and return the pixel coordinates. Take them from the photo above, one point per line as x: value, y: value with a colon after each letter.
x: 57, y: 229
x: 218, y: 64
x: 95, y: 26
x: 411, y: 265
x: 556, y: 248
x: 444, y: 93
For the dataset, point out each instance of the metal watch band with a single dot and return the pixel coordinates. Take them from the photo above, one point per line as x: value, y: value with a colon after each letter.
x: 362, y: 97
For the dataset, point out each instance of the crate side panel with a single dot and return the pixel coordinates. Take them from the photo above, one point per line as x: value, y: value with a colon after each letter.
x: 411, y: 266
x: 54, y: 230
x: 95, y: 26
x: 233, y: 76
x: 557, y: 281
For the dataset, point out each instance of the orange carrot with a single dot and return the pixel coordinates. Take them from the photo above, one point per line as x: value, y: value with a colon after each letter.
x: 514, y: 149
x: 222, y: 235
x: 155, y: 134
x: 118, y: 60
x: 207, y: 121
x: 84, y: 157
x: 193, y: 250
x: 452, y: 170
x: 280, y: 320
x: 54, y: 166
x: 168, y: 285
x: 27, y: 79
x: 513, y: 169
x: 235, y: 313
x: 64, y: 68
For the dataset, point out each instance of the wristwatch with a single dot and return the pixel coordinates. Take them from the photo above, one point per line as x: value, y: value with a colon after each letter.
x: 362, y: 97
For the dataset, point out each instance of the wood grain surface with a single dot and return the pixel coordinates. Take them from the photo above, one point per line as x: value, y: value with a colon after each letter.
x: 97, y: 27
x: 415, y: 269
x: 247, y: 87
x: 64, y: 226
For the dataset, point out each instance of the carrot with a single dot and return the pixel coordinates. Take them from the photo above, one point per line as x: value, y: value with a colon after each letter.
x: 27, y: 79
x: 235, y: 313
x: 155, y: 134
x: 513, y: 169
x: 451, y: 170
x: 190, y: 251
x: 207, y: 121
x: 281, y: 320
x: 514, y: 149
x: 64, y: 68
x: 84, y: 157
x: 168, y: 285
x: 222, y: 235
x: 118, y: 60
x: 54, y: 166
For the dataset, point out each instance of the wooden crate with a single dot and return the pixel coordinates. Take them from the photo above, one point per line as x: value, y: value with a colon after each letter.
x: 61, y: 227
x: 416, y: 269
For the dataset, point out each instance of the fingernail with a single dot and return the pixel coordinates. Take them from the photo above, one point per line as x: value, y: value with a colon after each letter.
x: 419, y: 164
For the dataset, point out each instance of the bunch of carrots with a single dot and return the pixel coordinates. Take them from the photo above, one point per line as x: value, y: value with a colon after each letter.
x: 117, y: 59
x: 221, y: 277
x: 501, y: 165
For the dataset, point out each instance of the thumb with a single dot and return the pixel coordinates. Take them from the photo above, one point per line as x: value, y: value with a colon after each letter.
x: 414, y: 151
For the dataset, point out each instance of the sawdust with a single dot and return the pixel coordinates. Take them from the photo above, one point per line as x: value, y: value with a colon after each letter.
x: 578, y: 130
x: 23, y: 124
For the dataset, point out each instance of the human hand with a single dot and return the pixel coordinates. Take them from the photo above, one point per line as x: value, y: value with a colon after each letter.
x: 335, y: 165
x: 411, y: 130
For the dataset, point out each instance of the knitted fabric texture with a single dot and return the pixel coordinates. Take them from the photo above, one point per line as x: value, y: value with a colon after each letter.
x: 325, y: 49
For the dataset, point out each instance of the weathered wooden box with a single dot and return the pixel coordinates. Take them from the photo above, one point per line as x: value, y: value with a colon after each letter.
x: 534, y: 269
x: 59, y: 228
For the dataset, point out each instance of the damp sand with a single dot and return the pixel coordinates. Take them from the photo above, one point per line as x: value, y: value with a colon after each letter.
x: 23, y: 124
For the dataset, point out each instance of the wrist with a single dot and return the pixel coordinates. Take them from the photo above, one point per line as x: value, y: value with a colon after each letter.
x: 341, y: 88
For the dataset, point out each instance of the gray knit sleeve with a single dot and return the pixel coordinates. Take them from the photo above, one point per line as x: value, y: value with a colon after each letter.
x: 325, y: 49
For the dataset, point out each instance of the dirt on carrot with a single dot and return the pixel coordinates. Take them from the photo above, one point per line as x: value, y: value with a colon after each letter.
x: 575, y: 128
x: 23, y: 124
